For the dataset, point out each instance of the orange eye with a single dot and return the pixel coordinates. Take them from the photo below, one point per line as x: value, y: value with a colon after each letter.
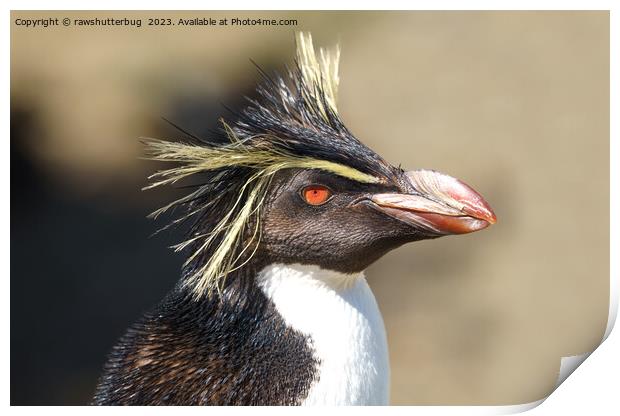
x: 316, y: 194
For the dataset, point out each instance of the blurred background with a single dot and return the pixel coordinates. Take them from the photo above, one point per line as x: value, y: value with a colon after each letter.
x: 514, y: 103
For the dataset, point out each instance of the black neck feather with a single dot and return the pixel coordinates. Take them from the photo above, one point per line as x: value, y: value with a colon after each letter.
x: 231, y: 350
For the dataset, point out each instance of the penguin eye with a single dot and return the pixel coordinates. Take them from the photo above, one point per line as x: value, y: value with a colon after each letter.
x: 316, y: 194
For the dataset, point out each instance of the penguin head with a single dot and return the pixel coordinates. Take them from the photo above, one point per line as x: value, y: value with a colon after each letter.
x: 315, y: 217
x: 287, y: 182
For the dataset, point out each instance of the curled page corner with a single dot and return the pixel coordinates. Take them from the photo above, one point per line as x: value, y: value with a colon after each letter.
x: 568, y: 365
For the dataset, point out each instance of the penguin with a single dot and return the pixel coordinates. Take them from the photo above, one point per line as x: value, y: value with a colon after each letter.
x: 286, y: 210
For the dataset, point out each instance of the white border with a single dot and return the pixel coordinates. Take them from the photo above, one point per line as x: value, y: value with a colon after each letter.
x: 591, y: 389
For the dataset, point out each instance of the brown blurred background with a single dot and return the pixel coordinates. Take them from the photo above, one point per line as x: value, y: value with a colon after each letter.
x: 514, y: 103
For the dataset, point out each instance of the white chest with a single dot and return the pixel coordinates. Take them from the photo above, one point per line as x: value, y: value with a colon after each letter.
x: 340, y: 315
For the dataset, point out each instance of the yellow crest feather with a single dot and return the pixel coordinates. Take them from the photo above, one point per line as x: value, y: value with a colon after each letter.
x: 266, y: 162
x: 228, y: 240
x: 319, y: 71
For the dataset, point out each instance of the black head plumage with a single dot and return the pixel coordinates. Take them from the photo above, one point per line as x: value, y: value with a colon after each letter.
x: 293, y: 123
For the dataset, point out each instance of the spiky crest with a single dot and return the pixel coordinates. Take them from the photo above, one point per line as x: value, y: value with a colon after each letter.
x: 294, y: 124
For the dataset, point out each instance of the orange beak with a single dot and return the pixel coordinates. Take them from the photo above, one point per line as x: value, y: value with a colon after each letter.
x: 440, y: 204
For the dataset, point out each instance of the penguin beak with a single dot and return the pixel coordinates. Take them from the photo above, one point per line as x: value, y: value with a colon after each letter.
x: 437, y: 203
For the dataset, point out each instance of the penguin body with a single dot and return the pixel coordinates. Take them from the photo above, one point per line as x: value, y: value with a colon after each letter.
x: 236, y: 350
x: 258, y: 345
x: 341, y: 320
